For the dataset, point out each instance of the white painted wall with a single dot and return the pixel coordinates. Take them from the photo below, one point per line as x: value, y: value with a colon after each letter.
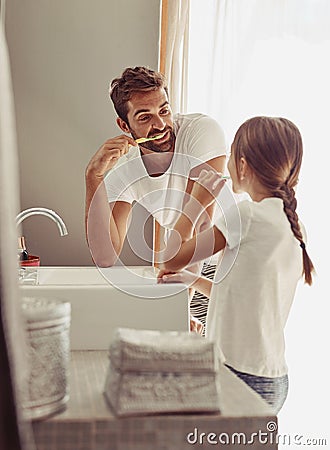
x: 63, y: 55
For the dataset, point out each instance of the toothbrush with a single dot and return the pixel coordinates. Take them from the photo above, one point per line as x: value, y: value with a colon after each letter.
x: 225, y: 177
x: 153, y: 138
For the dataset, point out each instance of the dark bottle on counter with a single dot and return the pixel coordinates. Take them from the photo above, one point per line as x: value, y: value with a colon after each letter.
x: 22, y: 252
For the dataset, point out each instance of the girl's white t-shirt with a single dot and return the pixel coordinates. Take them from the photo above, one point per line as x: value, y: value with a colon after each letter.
x: 199, y: 138
x: 254, y: 287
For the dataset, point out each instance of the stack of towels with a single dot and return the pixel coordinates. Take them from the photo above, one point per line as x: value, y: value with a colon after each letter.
x: 161, y: 372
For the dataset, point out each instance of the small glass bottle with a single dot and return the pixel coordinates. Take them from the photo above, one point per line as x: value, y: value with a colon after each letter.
x: 22, y: 252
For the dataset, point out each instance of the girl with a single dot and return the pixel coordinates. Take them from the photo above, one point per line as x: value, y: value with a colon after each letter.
x: 250, y: 305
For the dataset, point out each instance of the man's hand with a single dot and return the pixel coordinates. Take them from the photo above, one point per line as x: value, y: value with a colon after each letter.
x: 108, y: 154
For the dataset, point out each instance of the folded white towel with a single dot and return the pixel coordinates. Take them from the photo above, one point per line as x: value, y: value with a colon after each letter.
x: 161, y: 372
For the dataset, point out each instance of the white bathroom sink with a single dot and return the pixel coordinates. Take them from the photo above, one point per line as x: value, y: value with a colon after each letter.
x: 129, y: 275
x: 104, y: 299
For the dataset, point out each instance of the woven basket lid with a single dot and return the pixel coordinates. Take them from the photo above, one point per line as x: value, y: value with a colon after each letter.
x: 41, y: 309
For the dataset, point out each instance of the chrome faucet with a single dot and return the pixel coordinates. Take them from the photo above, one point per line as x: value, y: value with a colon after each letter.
x: 43, y: 212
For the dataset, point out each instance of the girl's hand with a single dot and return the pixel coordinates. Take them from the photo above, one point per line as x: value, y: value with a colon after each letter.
x: 184, y: 276
x: 207, y: 187
x: 196, y: 325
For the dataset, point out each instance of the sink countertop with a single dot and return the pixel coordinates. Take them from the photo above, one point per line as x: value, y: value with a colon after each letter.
x: 89, y: 424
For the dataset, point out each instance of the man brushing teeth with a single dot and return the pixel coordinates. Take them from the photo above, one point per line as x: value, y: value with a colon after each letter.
x: 156, y: 173
x: 148, y: 114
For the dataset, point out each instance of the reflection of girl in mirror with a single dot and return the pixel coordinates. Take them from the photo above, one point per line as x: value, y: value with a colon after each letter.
x: 250, y: 305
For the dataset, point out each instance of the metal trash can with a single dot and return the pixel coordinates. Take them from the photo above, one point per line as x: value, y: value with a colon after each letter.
x: 48, y: 333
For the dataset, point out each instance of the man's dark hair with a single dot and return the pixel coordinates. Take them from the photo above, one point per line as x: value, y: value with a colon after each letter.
x: 133, y: 80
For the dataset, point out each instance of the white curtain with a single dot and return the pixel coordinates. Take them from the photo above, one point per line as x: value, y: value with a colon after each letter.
x: 272, y: 57
x: 176, y: 52
x: 11, y: 314
x: 248, y: 53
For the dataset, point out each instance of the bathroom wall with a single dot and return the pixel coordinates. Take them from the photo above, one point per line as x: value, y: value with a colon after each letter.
x: 63, y: 55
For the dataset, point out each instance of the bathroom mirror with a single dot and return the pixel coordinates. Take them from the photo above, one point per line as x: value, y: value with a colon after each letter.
x: 63, y: 55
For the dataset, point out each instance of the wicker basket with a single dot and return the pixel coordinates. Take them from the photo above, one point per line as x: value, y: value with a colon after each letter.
x: 160, y: 372
x: 48, y: 327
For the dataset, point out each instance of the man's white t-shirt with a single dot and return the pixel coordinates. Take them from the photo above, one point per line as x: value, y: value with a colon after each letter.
x: 199, y: 138
x: 254, y: 287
